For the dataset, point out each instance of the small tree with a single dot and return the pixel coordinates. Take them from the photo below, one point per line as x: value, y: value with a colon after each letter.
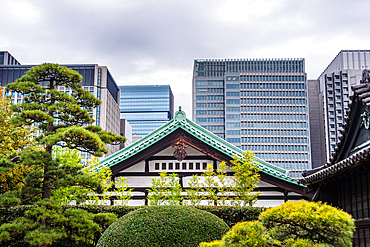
x: 245, y: 179
x: 224, y: 183
x: 165, y: 190
x: 158, y: 191
x: 210, y: 185
x: 123, y: 192
x: 194, y: 194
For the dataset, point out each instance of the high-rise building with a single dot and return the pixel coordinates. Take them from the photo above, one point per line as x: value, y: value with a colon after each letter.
x: 146, y: 108
x: 96, y: 79
x: 258, y: 105
x: 7, y: 59
x: 317, y: 138
x: 335, y: 90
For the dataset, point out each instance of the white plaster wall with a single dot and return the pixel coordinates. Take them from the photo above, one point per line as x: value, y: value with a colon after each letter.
x: 268, y: 203
x: 139, y: 167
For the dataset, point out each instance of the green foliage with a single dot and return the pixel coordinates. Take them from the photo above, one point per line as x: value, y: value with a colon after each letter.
x: 174, y: 195
x: 223, y: 184
x: 317, y: 222
x: 163, y: 226
x: 215, y: 243
x: 303, y: 243
x: 294, y: 224
x: 165, y: 190
x: 47, y: 223
x: 122, y: 191
x: 82, y: 194
x: 194, y: 194
x: 12, y: 137
x: 210, y: 185
x: 214, y: 187
x: 60, y: 118
x: 230, y: 215
x: 245, y: 179
x: 250, y: 233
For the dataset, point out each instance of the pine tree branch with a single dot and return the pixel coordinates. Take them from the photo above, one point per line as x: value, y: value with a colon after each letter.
x: 14, y: 158
x: 29, y: 198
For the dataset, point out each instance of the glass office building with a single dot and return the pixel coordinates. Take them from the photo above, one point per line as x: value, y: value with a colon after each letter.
x: 146, y: 108
x: 258, y: 105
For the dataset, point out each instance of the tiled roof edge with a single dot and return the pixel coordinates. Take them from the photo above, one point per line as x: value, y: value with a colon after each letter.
x: 333, y: 169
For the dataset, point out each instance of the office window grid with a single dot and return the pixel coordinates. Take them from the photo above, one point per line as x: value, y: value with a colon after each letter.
x: 264, y: 104
x: 338, y: 105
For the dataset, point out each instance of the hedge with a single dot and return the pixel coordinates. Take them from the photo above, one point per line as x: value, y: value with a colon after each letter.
x: 231, y: 215
x: 164, y: 226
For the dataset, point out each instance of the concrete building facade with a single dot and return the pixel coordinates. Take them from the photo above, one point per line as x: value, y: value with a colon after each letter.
x: 336, y: 81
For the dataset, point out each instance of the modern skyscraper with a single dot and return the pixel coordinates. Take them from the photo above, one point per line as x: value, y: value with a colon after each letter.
x: 258, y: 105
x: 146, y: 108
x: 7, y: 59
x: 335, y: 88
x: 96, y: 79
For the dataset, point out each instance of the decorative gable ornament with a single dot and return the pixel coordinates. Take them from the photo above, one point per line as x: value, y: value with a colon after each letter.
x: 180, y: 152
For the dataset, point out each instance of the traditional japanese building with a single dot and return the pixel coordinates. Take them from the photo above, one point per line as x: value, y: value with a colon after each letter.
x: 345, y: 181
x: 185, y: 148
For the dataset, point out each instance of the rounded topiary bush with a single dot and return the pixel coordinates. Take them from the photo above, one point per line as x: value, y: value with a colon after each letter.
x: 164, y: 226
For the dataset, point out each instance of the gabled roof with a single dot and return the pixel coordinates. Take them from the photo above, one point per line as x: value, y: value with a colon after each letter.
x: 346, y: 154
x: 181, y: 122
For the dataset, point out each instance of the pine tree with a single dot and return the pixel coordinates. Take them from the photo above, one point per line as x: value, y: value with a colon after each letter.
x: 63, y: 120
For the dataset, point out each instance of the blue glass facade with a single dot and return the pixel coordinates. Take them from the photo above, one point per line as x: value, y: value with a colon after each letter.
x: 258, y: 105
x: 146, y: 108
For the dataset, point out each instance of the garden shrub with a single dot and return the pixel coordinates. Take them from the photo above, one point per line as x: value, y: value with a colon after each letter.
x: 293, y: 224
x: 164, y: 226
x: 216, y: 243
x: 50, y: 224
x: 315, y: 221
x: 250, y: 233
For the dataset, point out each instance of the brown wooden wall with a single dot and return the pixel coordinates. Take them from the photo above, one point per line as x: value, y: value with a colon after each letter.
x: 352, y: 194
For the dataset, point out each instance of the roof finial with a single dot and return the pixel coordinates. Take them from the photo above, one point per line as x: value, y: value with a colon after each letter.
x: 179, y: 108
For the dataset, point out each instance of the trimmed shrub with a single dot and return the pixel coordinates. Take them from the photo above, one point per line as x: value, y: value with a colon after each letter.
x: 293, y: 224
x: 164, y: 226
x: 315, y: 221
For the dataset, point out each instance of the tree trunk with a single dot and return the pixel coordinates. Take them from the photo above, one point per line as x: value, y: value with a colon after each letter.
x: 46, y: 188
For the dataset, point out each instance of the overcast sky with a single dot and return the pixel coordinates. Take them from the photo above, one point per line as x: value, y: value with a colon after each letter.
x: 156, y: 42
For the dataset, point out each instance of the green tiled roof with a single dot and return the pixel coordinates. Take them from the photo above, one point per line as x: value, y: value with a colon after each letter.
x: 180, y: 121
